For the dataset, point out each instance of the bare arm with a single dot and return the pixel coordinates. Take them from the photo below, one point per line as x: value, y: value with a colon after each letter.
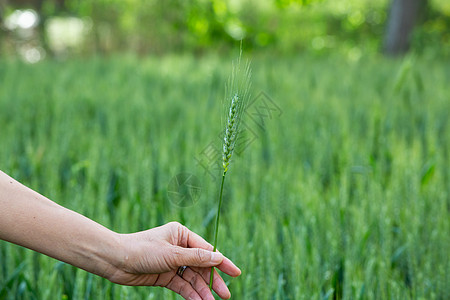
x: 149, y: 257
x: 29, y: 219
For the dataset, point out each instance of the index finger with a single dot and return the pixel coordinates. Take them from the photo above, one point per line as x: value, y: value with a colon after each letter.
x: 227, y: 266
x: 196, y: 241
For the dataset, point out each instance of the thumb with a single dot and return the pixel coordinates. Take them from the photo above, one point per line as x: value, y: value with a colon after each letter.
x: 197, y: 257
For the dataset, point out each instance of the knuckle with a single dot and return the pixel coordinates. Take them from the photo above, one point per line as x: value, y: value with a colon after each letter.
x: 193, y: 280
x: 177, y: 233
x: 177, y: 253
x: 180, y: 234
x: 202, y: 255
x: 174, y: 225
x: 175, y: 258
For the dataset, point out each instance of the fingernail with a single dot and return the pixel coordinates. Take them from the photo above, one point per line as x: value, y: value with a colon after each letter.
x: 216, y: 257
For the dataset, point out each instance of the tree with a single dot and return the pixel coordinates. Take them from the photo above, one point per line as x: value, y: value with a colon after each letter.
x: 404, y: 15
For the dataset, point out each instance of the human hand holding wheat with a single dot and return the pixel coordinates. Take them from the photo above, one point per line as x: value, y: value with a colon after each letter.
x: 149, y: 258
x: 153, y: 257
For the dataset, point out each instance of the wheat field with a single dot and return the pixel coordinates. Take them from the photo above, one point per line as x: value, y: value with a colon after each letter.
x: 339, y: 189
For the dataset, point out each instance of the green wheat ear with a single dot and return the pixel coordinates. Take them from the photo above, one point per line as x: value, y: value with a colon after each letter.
x: 229, y: 140
x: 238, y: 92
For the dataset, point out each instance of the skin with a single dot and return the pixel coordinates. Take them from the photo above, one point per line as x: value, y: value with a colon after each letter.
x: 146, y: 258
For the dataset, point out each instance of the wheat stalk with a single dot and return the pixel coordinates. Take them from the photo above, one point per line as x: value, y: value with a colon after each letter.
x: 238, y: 91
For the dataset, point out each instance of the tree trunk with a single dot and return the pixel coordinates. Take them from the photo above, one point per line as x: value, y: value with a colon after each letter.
x: 403, y: 16
x: 2, y: 28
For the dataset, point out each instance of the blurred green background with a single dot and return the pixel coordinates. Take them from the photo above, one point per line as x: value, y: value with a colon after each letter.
x: 340, y: 188
x: 283, y: 27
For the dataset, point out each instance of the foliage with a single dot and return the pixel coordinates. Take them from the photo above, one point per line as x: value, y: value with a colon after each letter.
x: 343, y: 196
x: 432, y: 37
x: 288, y: 26
x: 282, y: 26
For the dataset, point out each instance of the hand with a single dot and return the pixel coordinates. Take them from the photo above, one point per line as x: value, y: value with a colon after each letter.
x: 153, y: 257
x: 150, y: 257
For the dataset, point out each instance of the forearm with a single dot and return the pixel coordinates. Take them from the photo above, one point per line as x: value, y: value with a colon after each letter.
x: 33, y: 221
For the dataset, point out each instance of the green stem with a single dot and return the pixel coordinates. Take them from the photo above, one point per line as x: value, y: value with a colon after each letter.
x: 217, y: 228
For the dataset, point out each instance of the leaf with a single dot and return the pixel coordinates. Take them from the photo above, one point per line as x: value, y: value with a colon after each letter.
x: 427, y: 173
x: 11, y: 280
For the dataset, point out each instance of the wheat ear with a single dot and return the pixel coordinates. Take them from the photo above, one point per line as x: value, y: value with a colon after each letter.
x: 238, y: 91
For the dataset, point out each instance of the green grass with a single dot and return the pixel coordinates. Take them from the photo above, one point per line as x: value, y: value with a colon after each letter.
x: 346, y: 195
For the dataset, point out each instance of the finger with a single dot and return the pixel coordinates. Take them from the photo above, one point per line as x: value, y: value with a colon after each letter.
x: 228, y: 267
x: 163, y: 279
x: 198, y: 283
x: 219, y: 286
x: 196, y: 241
x: 195, y: 257
x: 182, y: 287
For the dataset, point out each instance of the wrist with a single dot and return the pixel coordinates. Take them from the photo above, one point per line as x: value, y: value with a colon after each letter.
x: 118, y: 259
x: 112, y: 255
